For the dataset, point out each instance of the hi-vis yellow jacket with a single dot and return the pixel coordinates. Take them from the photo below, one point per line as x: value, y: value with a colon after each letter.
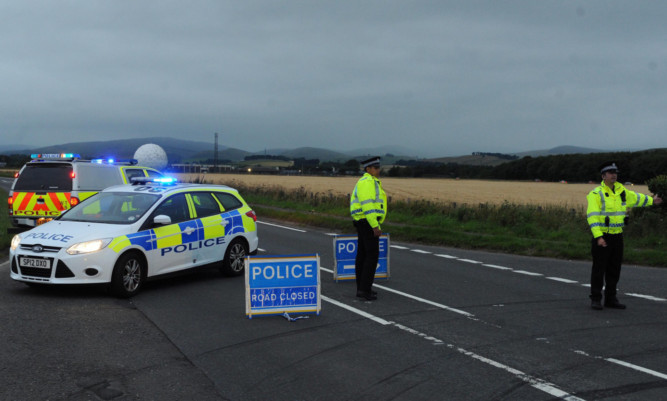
x: 607, y: 209
x: 369, y: 201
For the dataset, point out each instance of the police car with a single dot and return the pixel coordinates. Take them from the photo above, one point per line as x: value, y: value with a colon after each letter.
x: 51, y: 183
x: 127, y: 234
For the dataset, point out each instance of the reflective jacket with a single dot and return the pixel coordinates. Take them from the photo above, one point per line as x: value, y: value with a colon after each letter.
x: 607, y: 209
x: 369, y: 201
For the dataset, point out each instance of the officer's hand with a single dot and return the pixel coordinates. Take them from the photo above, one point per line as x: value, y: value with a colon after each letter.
x: 602, y: 242
x: 377, y: 232
x: 657, y: 200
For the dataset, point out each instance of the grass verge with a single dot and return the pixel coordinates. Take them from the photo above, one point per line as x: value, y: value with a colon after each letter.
x: 552, y: 231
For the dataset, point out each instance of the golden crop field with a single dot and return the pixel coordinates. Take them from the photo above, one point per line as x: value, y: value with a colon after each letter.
x: 470, y: 192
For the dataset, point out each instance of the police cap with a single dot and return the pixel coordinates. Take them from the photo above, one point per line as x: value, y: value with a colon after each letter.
x: 609, y: 166
x: 373, y: 161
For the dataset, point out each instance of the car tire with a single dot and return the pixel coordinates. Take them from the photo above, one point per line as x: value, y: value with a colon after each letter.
x: 128, y: 275
x: 234, y: 262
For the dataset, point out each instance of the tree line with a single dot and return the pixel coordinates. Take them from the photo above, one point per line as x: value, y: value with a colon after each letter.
x: 636, y: 167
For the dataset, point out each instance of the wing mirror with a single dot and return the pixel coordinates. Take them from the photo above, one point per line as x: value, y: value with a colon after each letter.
x: 162, y: 220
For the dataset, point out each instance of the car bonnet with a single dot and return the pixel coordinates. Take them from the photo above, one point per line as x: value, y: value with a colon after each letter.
x: 67, y: 233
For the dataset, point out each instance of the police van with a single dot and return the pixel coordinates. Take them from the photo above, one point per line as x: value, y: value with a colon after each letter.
x: 52, y: 183
x: 127, y: 234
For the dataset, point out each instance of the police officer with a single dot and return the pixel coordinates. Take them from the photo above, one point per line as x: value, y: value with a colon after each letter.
x: 606, y: 214
x: 368, y: 207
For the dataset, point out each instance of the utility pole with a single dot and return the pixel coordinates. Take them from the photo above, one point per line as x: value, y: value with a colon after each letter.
x: 215, y: 154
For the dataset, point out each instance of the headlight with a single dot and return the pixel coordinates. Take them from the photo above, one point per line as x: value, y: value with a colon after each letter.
x: 88, y: 246
x: 15, y: 242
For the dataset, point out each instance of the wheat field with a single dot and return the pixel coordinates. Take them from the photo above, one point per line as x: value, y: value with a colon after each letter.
x: 471, y: 192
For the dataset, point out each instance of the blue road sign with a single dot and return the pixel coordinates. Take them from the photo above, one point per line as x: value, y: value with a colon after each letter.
x: 345, y: 253
x: 282, y: 284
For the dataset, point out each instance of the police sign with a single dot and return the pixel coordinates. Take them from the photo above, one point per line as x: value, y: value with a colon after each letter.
x: 345, y: 253
x: 282, y: 284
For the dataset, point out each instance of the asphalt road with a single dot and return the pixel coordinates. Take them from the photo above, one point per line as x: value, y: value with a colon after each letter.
x: 448, y: 325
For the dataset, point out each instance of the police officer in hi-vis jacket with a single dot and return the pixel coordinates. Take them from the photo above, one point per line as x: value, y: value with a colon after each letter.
x: 368, y: 207
x: 606, y: 214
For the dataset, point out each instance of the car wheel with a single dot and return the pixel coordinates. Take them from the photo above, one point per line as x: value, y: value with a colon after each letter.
x: 128, y: 275
x: 234, y: 261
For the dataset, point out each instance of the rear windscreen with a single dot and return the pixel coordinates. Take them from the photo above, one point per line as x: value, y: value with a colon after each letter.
x: 45, y: 177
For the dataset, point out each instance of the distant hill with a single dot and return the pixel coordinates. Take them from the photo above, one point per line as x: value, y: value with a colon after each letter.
x: 472, y: 160
x: 176, y: 149
x: 561, y: 150
x: 186, y: 151
x: 310, y: 153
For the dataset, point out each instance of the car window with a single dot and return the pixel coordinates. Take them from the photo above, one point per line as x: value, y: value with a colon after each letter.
x: 205, y: 204
x: 228, y: 201
x: 45, y: 177
x: 176, y: 207
x: 112, y: 207
x: 154, y: 174
x: 133, y: 172
x: 95, y: 177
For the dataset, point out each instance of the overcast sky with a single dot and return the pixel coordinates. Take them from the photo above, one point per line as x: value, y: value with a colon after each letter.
x: 440, y: 77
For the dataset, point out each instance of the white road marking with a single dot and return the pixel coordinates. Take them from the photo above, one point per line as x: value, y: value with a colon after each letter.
x: 469, y: 261
x: 279, y: 226
x: 398, y: 247
x: 625, y: 364
x: 425, y: 301
x: 563, y: 280
x: 527, y: 273
x: 497, y: 267
x: 535, y: 382
x: 638, y: 368
x: 422, y: 300
x: 649, y: 297
x: 445, y: 256
x: 420, y: 251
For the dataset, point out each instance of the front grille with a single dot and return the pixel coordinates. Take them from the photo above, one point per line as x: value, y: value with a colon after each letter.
x: 35, y: 272
x: 30, y: 247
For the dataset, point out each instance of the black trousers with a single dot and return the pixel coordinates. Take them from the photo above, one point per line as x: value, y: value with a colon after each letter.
x: 606, y: 266
x: 368, y: 253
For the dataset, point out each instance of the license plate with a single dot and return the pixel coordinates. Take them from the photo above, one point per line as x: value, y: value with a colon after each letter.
x: 33, y: 262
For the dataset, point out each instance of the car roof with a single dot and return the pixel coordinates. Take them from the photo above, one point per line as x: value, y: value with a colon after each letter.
x: 167, y: 189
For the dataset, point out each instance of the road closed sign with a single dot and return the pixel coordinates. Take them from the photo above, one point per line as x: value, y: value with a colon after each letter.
x: 282, y: 284
x: 345, y: 253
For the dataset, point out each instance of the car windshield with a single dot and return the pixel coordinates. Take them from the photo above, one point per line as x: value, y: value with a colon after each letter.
x: 112, y: 208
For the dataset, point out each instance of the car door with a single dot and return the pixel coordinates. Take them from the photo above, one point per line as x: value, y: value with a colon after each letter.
x: 175, y: 242
x: 211, y: 225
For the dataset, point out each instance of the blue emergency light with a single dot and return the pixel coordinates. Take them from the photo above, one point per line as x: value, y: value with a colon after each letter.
x: 153, y: 180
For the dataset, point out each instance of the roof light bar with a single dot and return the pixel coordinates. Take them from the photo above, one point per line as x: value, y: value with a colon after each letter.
x: 55, y: 156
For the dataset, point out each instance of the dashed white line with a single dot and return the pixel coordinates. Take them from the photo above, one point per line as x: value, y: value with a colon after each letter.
x: 535, y: 382
x: 527, y: 273
x: 497, y: 267
x: 649, y: 297
x: 445, y: 256
x: 469, y: 261
x: 420, y: 251
x: 563, y: 280
x: 638, y: 368
x: 279, y: 226
x: 426, y: 301
x: 398, y: 247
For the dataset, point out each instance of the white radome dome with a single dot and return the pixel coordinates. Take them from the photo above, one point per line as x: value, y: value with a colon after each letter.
x: 151, y: 155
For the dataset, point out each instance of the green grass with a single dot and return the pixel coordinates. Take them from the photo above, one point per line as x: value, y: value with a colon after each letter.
x: 552, y: 231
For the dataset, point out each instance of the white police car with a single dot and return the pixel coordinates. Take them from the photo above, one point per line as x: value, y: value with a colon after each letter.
x: 128, y: 233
